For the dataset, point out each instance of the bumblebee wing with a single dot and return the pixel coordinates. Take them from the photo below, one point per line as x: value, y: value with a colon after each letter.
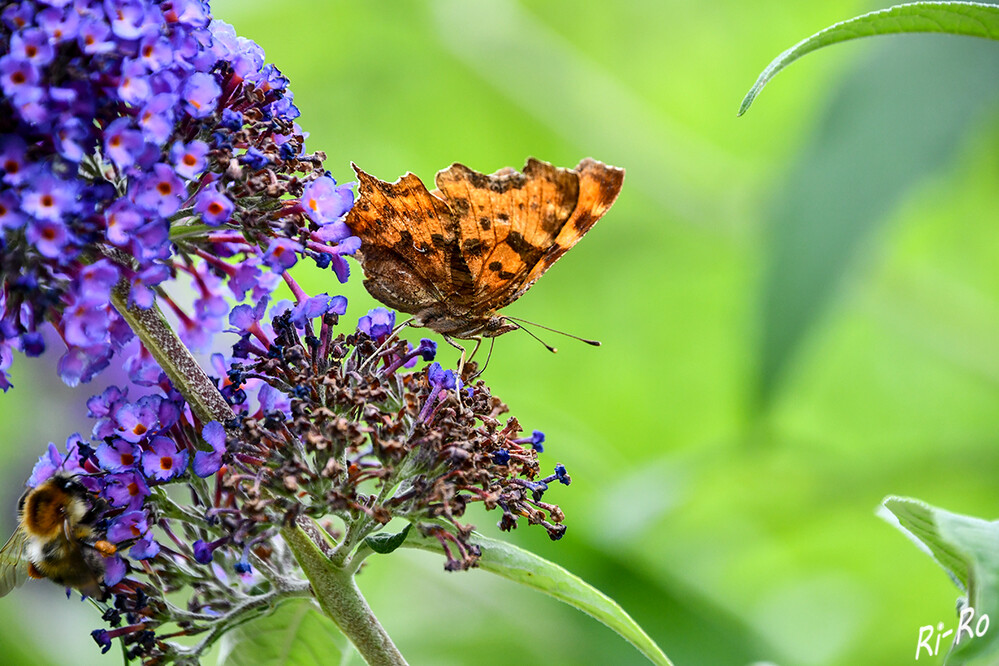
x: 13, y: 564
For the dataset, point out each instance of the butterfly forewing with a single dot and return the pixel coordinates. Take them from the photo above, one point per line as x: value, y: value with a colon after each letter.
x: 599, y: 185
x: 507, y: 222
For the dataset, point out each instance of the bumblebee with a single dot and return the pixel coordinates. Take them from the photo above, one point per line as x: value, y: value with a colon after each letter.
x: 54, y: 539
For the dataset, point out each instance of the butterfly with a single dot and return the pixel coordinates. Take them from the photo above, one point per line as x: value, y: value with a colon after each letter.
x: 455, y: 256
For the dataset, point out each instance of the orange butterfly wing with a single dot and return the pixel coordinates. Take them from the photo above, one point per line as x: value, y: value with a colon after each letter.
x: 478, y: 242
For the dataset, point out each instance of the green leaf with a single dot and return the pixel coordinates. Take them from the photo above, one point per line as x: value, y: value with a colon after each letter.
x: 971, y: 19
x: 295, y: 634
x: 878, y: 139
x: 384, y: 544
x: 967, y: 549
x: 524, y: 567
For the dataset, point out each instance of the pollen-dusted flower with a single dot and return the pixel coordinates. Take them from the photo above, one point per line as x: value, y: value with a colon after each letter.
x: 282, y: 254
x: 189, y: 159
x: 161, y: 192
x: 126, y: 489
x: 50, y: 199
x: 200, y: 95
x: 325, y: 201
x: 17, y: 77
x: 117, y: 455
x: 122, y: 143
x: 127, y: 526
x: 162, y: 461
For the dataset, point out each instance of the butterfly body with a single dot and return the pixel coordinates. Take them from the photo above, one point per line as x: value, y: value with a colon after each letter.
x: 455, y: 256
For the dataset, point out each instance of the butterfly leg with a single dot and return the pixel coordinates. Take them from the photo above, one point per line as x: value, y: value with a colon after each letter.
x: 391, y: 337
x: 462, y: 359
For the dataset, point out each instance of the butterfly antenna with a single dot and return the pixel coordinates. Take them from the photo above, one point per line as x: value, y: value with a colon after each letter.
x: 485, y: 365
x: 531, y: 333
x: 595, y: 343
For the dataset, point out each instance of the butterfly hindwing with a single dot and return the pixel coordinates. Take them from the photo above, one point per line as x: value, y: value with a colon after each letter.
x: 402, y: 228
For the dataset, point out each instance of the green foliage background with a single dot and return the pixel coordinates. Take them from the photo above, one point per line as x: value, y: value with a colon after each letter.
x: 799, y: 310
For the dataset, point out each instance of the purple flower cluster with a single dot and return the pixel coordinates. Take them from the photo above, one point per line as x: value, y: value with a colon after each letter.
x: 320, y: 417
x: 136, y: 141
x: 134, y: 447
x: 142, y: 143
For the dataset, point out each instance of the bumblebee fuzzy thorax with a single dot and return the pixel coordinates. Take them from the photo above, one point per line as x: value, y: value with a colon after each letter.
x: 59, y: 502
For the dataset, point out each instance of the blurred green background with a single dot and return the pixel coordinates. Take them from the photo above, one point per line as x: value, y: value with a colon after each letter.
x: 799, y: 310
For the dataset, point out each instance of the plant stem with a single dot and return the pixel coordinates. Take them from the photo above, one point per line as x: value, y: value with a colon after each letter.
x: 332, y: 584
x: 340, y: 598
x: 174, y: 357
x: 247, y: 610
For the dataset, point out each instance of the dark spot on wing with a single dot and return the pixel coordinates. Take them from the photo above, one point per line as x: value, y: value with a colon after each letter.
x: 495, y: 266
x: 485, y: 224
x: 438, y: 240
x: 502, y: 185
x: 461, y: 274
x: 461, y: 205
x: 528, y: 253
x: 497, y: 183
x: 473, y: 247
x: 506, y: 275
x: 583, y: 222
x: 552, y: 254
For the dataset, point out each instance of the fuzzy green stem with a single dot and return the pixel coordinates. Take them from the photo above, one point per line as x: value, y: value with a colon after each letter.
x: 338, y: 595
x: 173, y: 356
x: 245, y: 611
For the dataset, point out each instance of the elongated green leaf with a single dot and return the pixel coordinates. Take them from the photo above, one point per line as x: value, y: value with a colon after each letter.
x: 968, y: 550
x: 524, y: 567
x: 879, y: 137
x: 971, y: 19
x: 295, y: 634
